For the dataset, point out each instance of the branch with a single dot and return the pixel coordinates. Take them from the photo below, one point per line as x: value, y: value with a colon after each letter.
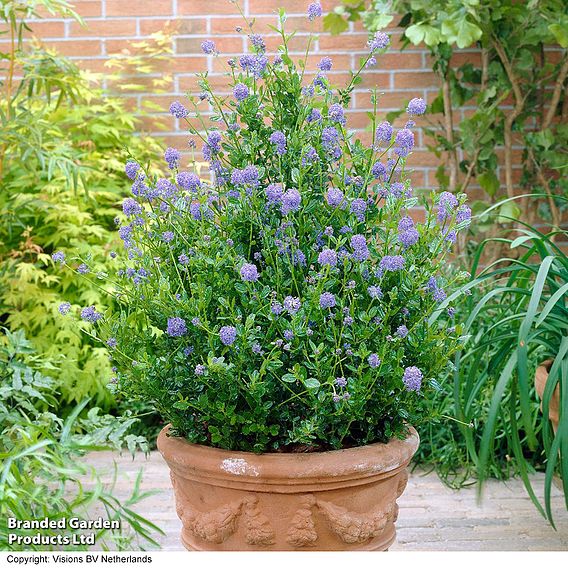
x: 564, y: 111
x: 449, y: 127
x: 512, y: 116
x: 546, y: 186
x: 470, y: 170
x: 558, y: 87
x: 484, y: 68
x: 509, y: 70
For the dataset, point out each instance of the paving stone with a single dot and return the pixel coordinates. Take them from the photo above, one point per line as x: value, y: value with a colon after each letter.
x: 471, y: 522
x: 431, y: 516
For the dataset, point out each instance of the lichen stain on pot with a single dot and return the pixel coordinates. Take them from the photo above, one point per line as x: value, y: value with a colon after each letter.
x: 238, y: 466
x: 336, y: 500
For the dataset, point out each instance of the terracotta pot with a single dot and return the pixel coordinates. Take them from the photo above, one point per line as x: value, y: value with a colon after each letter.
x: 338, y: 500
x: 540, y: 380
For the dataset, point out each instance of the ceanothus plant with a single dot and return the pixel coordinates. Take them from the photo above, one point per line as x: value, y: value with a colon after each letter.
x: 284, y: 302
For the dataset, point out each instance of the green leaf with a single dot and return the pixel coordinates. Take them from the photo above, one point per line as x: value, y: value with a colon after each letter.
x: 415, y: 33
x: 544, y: 138
x: 374, y: 21
x: 560, y: 32
x: 312, y: 383
x: 334, y: 23
x: 461, y: 31
x: 522, y: 347
x: 507, y: 212
x: 488, y: 437
x: 489, y: 182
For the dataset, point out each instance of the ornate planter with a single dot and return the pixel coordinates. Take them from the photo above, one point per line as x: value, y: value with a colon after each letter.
x: 338, y: 500
x: 540, y: 380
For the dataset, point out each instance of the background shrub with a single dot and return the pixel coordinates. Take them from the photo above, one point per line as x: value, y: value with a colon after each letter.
x: 63, y: 141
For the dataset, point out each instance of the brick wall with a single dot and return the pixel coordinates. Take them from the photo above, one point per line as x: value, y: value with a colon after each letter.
x: 111, y: 26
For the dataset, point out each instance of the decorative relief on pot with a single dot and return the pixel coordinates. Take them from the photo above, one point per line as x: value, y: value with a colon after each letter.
x: 349, y: 526
x: 218, y: 525
x: 402, y: 482
x: 352, y: 527
x: 215, y: 526
x: 179, y: 500
x: 257, y: 526
x: 302, y: 531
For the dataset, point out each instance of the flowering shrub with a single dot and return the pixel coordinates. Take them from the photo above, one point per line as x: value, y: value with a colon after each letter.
x: 285, y: 302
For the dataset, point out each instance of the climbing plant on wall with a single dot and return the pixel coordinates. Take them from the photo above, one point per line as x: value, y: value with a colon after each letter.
x: 515, y: 139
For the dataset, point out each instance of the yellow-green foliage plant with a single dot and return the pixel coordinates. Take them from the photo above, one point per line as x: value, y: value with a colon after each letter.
x: 63, y: 143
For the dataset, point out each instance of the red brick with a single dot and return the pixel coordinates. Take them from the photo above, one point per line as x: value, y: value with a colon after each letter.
x: 228, y: 45
x: 418, y: 214
x: 337, y: 79
x: 104, y: 28
x: 411, y: 79
x: 187, y: 64
x: 459, y: 58
x: 139, y: 8
x: 422, y: 158
x: 395, y: 33
x: 327, y: 5
x: 290, y: 6
x: 116, y: 46
x: 379, y: 79
x: 146, y: 81
x: 271, y: 6
x: 301, y: 23
x: 205, y: 7
x: 130, y: 103
x: 517, y: 175
x: 341, y: 62
x: 95, y: 65
x: 366, y: 137
x: 297, y: 44
x: 397, y: 61
x: 164, y: 101
x: 517, y: 155
x: 180, y: 26
x: 219, y: 83
x: 261, y: 24
x: 229, y: 25
x: 553, y: 56
x: 344, y: 42
x: 178, y: 140
x: 77, y: 48
x: 357, y: 120
x: 46, y: 29
x: 126, y: 46
x: 149, y: 123
x: 475, y: 193
x: 388, y: 100
x: 88, y: 8
x: 418, y: 178
x: 220, y: 65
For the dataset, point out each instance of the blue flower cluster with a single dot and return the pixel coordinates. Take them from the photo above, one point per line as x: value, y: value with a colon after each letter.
x: 283, y: 295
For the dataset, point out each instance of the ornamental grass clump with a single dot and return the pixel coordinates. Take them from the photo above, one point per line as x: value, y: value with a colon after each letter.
x: 282, y: 303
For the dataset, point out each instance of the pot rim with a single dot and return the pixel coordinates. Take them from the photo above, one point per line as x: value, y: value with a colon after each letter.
x: 288, y: 470
x: 546, y: 365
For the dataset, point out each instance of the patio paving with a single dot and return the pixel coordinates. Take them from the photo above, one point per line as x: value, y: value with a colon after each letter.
x: 431, y: 517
